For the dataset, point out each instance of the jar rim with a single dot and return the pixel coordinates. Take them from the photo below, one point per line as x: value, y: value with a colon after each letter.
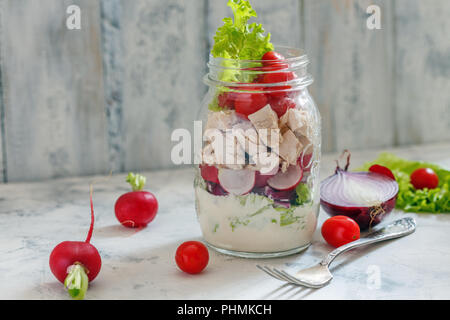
x: 295, y: 58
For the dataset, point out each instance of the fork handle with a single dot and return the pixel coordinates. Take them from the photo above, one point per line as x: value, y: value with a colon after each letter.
x: 396, y: 229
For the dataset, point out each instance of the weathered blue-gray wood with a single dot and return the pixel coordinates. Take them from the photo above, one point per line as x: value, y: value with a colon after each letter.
x: 52, y: 90
x: 422, y: 71
x: 164, y: 62
x: 113, y: 69
x: 2, y: 142
x: 110, y: 95
x: 353, y: 70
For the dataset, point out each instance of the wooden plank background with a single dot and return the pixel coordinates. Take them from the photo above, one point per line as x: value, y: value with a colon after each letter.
x: 422, y: 63
x: 52, y: 90
x: 108, y: 96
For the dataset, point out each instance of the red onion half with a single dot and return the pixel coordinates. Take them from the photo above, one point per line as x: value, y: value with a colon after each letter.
x: 366, y: 197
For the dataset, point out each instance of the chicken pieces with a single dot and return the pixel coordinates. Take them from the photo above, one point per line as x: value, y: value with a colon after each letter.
x: 243, y: 142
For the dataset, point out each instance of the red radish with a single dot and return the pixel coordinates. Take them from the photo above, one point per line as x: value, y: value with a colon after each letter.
x: 209, y: 173
x: 237, y: 182
x: 76, y: 263
x: 261, y: 178
x: 287, y: 180
x: 424, y: 178
x: 192, y: 257
x: 248, y: 102
x: 382, y: 170
x: 281, y: 105
x: 137, y: 208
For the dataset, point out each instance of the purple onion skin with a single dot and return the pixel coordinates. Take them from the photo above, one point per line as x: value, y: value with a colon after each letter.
x: 283, y: 196
x: 360, y: 214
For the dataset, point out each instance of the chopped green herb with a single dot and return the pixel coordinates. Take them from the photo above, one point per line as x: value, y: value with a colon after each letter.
x: 287, y: 216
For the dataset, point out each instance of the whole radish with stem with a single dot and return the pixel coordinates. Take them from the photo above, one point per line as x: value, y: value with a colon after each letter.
x: 137, y: 208
x: 76, y: 263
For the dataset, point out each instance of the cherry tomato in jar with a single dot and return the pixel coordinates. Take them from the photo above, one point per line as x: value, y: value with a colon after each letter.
x: 281, y: 105
x: 278, y: 77
x: 247, y: 102
x: 273, y: 60
x: 225, y: 100
x: 340, y: 230
x: 209, y: 173
x: 424, y: 178
x: 192, y: 257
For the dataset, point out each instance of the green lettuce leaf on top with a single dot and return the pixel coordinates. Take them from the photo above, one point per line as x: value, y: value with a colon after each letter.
x: 237, y: 39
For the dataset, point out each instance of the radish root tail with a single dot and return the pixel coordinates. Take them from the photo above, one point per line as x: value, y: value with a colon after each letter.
x: 91, y: 193
x: 91, y: 227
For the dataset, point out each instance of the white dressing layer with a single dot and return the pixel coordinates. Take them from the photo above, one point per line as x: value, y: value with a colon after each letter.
x: 253, y: 225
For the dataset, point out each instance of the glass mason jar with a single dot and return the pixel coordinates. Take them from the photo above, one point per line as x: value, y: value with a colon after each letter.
x: 257, y: 187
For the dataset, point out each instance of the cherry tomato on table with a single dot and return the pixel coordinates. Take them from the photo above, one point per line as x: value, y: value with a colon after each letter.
x: 424, y: 178
x: 340, y: 230
x: 382, y: 170
x: 192, y: 257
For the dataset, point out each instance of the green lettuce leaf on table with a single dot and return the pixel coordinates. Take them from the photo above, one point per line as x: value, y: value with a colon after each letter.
x: 409, y: 199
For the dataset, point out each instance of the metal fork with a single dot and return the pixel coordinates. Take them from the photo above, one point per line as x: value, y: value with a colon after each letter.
x: 319, y: 275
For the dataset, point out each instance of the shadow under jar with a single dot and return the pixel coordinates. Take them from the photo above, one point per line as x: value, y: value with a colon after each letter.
x: 257, y: 187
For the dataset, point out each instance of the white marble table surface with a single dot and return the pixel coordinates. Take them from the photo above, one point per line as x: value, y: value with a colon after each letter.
x: 34, y: 217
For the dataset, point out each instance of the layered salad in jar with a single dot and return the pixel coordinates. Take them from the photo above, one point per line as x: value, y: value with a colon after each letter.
x: 257, y: 184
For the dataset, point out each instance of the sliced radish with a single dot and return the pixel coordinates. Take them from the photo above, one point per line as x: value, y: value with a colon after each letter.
x: 305, y: 161
x: 261, y: 178
x: 216, y: 189
x: 286, y: 180
x: 237, y: 182
x: 209, y: 173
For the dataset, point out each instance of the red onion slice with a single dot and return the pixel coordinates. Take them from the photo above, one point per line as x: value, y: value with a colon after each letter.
x: 357, y: 189
x: 366, y: 197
